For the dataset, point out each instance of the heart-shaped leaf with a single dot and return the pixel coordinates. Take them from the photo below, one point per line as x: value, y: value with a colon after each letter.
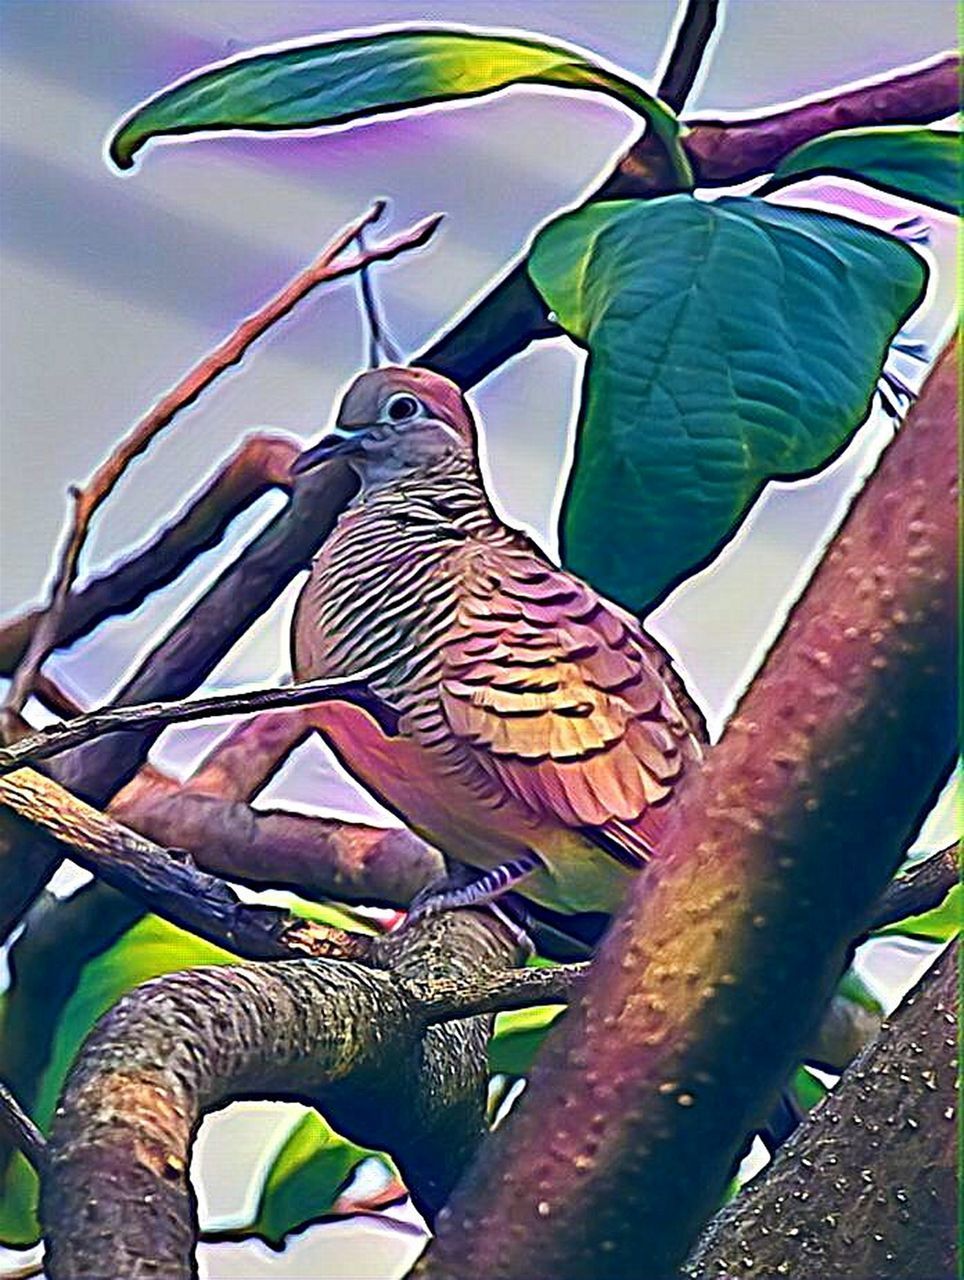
x: 347, y: 78
x: 924, y: 164
x: 730, y: 342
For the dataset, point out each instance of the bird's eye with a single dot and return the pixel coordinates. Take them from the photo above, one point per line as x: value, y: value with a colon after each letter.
x: 401, y: 406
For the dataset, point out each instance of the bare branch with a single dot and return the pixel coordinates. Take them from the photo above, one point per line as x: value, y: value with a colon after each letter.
x: 732, y: 151
x: 349, y: 1037
x: 17, y: 1127
x: 445, y: 1000
x: 87, y: 499
x: 919, y: 890
x: 697, y: 22
x: 867, y: 1185
x: 63, y: 736
x: 699, y: 999
x: 167, y: 881
x: 209, y: 815
x: 261, y: 463
x: 316, y: 857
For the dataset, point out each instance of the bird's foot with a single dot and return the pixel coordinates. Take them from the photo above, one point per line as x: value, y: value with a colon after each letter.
x: 485, y: 889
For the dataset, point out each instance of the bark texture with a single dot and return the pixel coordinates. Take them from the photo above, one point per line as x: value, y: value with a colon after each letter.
x: 866, y: 1187
x: 704, y: 991
x: 117, y: 1200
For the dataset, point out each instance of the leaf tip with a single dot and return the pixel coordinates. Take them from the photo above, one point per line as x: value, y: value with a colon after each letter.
x: 123, y: 147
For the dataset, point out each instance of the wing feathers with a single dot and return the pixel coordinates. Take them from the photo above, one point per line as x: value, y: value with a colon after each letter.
x: 561, y: 697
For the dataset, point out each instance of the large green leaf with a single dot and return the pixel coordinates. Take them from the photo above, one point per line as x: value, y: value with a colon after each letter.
x: 340, y: 79
x: 924, y: 164
x: 303, y: 1182
x: 729, y: 343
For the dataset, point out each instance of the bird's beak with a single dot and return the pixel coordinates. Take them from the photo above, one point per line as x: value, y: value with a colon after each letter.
x: 334, y: 445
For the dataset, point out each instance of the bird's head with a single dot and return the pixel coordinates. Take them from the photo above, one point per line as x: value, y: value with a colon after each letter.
x: 396, y: 420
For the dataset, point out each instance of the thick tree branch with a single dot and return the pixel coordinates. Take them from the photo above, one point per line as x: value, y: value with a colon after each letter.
x: 316, y: 857
x: 262, y: 462
x: 703, y: 992
x: 167, y: 881
x: 117, y: 1199
x: 447, y: 999
x: 867, y: 1185
x: 721, y: 152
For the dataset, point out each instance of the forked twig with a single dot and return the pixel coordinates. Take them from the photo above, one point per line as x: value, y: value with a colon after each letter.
x: 88, y: 498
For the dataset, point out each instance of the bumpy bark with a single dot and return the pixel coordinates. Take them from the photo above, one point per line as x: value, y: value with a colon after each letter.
x: 703, y: 992
x: 866, y: 1186
x: 116, y: 1198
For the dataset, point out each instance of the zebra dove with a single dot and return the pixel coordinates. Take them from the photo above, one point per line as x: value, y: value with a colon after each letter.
x: 540, y: 732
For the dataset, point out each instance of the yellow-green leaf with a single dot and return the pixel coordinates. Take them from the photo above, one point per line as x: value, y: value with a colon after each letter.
x: 342, y: 79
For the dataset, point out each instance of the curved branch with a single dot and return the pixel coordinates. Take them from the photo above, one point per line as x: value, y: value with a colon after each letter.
x: 117, y: 1195
x: 262, y: 462
x: 701, y: 995
x: 167, y: 881
x: 885, y: 1136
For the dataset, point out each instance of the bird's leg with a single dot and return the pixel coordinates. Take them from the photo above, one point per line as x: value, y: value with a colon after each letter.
x: 485, y: 888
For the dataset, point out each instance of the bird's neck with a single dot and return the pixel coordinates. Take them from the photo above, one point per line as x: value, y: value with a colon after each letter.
x: 451, y: 482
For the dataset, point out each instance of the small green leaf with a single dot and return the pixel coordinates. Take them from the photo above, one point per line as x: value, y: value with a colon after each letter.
x: 923, y: 164
x: 853, y: 988
x: 148, y: 949
x: 730, y: 342
x: 303, y: 1182
x: 938, y: 925
x: 517, y: 1037
x: 807, y: 1090
x: 342, y: 79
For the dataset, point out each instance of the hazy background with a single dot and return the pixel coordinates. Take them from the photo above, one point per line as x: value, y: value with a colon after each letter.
x: 112, y: 287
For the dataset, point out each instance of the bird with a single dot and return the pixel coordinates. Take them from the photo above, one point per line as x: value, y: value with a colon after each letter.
x: 534, y: 732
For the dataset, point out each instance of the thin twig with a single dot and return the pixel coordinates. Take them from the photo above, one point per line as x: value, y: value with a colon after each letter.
x: 88, y: 498
x: 64, y: 735
x: 696, y: 26
x: 17, y: 1127
x: 167, y: 881
x: 445, y: 1000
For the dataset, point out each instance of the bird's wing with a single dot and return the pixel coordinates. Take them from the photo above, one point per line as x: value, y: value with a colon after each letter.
x: 562, y: 697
